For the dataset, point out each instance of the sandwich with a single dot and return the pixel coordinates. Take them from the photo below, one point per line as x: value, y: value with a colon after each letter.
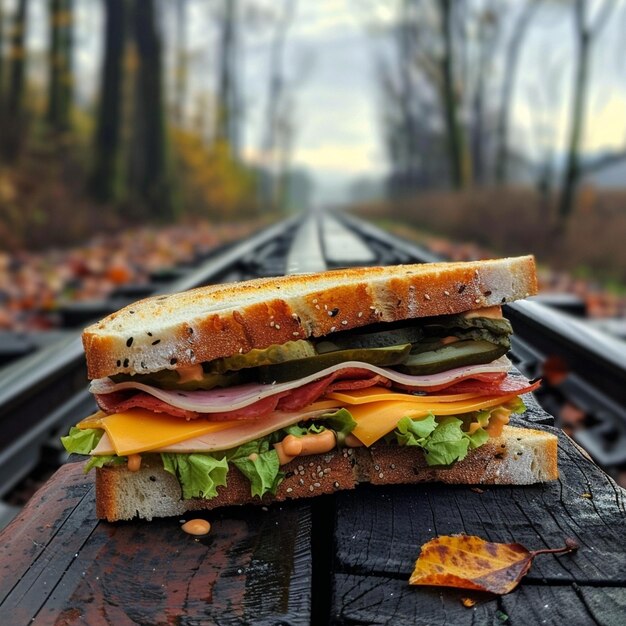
x: 291, y: 387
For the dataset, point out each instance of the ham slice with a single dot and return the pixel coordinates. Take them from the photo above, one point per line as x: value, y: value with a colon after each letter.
x: 292, y: 400
x: 232, y: 398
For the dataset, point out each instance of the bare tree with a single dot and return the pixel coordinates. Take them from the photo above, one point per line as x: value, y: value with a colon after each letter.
x: 278, y: 137
x: 544, y: 99
x: 586, y: 31
x: 227, y: 129
x: 14, y: 120
x: 511, y: 63
x: 181, y: 62
x: 486, y: 22
x: 106, y: 180
x: 455, y: 135
x: 409, y: 111
x: 2, y: 60
x: 60, y: 81
x: 149, y: 180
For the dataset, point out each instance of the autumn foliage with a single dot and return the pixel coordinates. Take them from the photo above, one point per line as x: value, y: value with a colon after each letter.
x: 468, y: 562
x: 213, y: 182
x: 517, y: 220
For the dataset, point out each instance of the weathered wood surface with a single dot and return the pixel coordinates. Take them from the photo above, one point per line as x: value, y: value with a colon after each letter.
x: 341, y: 560
x: 379, y: 532
x: 59, y: 565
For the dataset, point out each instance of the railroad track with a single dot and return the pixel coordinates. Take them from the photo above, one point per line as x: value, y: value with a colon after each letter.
x: 44, y: 393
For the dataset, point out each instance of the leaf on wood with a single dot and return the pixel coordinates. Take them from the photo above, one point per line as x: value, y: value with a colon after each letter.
x: 468, y: 562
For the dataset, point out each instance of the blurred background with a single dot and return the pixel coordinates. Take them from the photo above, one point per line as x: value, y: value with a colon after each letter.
x: 497, y: 123
x: 139, y: 135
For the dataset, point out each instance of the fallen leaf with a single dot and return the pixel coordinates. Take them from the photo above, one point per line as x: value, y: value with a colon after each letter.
x: 468, y: 562
x: 468, y: 602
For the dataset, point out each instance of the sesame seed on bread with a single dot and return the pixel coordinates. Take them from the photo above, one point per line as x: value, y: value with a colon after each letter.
x: 182, y: 329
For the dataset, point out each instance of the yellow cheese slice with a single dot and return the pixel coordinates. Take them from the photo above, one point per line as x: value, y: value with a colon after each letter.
x: 376, y: 419
x: 382, y: 394
x: 92, y: 421
x: 140, y: 430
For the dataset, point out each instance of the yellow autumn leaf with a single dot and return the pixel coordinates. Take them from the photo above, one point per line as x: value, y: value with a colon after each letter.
x: 469, y: 562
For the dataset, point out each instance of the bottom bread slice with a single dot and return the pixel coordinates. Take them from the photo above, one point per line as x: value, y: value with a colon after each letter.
x: 520, y: 456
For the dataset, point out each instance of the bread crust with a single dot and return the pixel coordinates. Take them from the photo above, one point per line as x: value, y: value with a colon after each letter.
x: 520, y: 456
x: 167, y: 332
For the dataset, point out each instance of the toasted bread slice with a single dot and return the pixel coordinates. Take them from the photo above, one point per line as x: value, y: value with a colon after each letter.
x: 520, y: 456
x: 167, y: 332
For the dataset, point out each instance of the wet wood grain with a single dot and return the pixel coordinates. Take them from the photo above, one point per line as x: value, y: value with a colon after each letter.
x: 379, y: 532
x: 60, y: 565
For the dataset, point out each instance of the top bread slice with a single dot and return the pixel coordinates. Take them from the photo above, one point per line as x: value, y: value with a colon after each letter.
x: 183, y: 329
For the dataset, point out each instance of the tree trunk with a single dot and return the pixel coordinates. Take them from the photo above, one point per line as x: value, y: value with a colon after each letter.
x: 180, y: 78
x: 226, y: 130
x: 14, y: 121
x: 149, y: 181
x: 273, y: 145
x: 54, y: 59
x: 60, y: 68
x: 106, y: 180
x: 572, y: 168
x: 2, y: 60
x: 454, y: 132
x: 67, y: 78
x: 508, y: 86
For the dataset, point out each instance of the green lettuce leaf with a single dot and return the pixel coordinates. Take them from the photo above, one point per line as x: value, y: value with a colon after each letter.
x: 99, y: 461
x: 447, y: 443
x: 299, y: 431
x: 81, y: 441
x: 477, y: 438
x: 341, y: 422
x: 413, y: 432
x: 444, y: 441
x: 259, y: 463
x: 199, y: 474
x: 515, y: 405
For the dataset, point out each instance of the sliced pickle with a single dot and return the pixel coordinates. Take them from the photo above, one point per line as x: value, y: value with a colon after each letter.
x: 281, y: 372
x: 381, y: 339
x: 442, y: 324
x: 447, y: 357
x: 169, y: 379
x: 482, y: 334
x: 277, y: 353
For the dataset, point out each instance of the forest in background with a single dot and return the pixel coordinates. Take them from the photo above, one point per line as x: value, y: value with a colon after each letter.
x: 141, y: 151
x: 460, y: 165
x: 150, y: 145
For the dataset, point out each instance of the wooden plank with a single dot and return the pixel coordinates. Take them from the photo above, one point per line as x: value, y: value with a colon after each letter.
x: 379, y: 531
x: 377, y: 600
x: 61, y: 565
